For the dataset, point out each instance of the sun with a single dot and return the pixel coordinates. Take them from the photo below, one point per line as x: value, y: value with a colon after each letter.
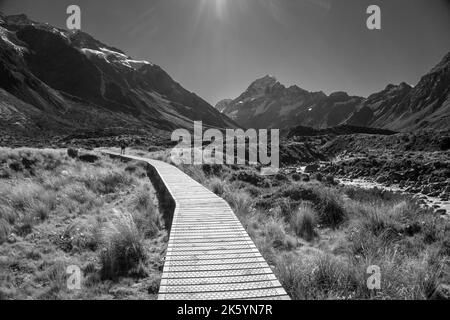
x: 216, y: 6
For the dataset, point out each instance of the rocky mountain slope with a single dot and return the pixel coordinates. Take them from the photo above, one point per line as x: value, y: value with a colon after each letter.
x: 269, y: 104
x: 54, y: 81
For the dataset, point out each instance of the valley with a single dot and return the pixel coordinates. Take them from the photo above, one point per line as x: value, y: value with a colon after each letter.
x: 362, y: 181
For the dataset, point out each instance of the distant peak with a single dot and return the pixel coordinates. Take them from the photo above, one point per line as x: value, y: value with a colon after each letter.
x: 404, y: 85
x: 265, y: 81
x: 401, y: 86
x: 339, y: 95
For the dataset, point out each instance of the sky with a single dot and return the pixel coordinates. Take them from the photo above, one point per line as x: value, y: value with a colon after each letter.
x: 216, y: 48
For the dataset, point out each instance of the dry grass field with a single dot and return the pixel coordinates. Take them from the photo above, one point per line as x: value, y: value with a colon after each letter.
x: 320, y: 237
x: 98, y: 214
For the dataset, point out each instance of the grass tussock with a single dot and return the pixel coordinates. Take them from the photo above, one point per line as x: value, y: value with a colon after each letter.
x: 146, y: 216
x: 304, y: 222
x: 124, y: 252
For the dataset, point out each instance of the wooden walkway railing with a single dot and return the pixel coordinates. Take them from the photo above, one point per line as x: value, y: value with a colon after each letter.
x: 209, y: 255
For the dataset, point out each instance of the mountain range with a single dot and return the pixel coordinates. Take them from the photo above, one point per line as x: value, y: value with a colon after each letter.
x: 269, y: 104
x: 54, y: 81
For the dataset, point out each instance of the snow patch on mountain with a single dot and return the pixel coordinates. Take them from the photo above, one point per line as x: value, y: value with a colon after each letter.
x: 135, y: 64
x: 94, y: 53
x: 4, y: 35
x: 115, y: 57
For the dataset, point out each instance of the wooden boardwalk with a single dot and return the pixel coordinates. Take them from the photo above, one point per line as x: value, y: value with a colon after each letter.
x: 209, y: 255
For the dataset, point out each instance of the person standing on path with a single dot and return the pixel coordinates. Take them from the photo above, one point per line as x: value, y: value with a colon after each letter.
x: 123, y: 146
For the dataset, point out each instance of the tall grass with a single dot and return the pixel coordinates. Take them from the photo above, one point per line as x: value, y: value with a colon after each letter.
x: 146, y: 216
x: 239, y: 201
x: 216, y: 185
x: 320, y: 277
x: 304, y: 222
x: 53, y: 207
x: 329, y: 207
x: 124, y: 252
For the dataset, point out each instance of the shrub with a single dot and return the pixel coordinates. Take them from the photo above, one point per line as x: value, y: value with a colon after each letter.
x: 124, y: 252
x: 214, y: 169
x: 445, y: 144
x: 296, y: 177
x: 41, y: 210
x: 137, y: 168
x: 90, y: 158
x: 321, y: 277
x: 4, y: 230
x: 303, y: 222
x: 217, y: 186
x: 250, y: 177
x: 146, y: 215
x: 108, y: 182
x: 328, y: 207
x: 275, y: 233
x: 195, y: 172
x: 8, y: 214
x: 25, y: 225
x: 56, y: 276
x: 330, y: 179
x: 240, y: 202
x: 297, y: 192
x: 72, y: 153
x: 5, y: 173
x: 79, y: 193
x: 16, y: 166
x: 281, y: 177
x: 286, y: 207
x: 252, y: 190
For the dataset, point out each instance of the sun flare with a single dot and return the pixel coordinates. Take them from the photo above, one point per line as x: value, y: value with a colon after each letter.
x: 216, y: 6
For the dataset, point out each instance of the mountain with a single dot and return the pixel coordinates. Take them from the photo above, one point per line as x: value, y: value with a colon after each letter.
x: 405, y: 108
x: 222, y: 105
x: 268, y: 104
x: 54, y: 81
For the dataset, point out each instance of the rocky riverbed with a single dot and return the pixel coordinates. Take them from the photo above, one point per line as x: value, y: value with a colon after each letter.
x: 426, y: 176
x: 440, y: 206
